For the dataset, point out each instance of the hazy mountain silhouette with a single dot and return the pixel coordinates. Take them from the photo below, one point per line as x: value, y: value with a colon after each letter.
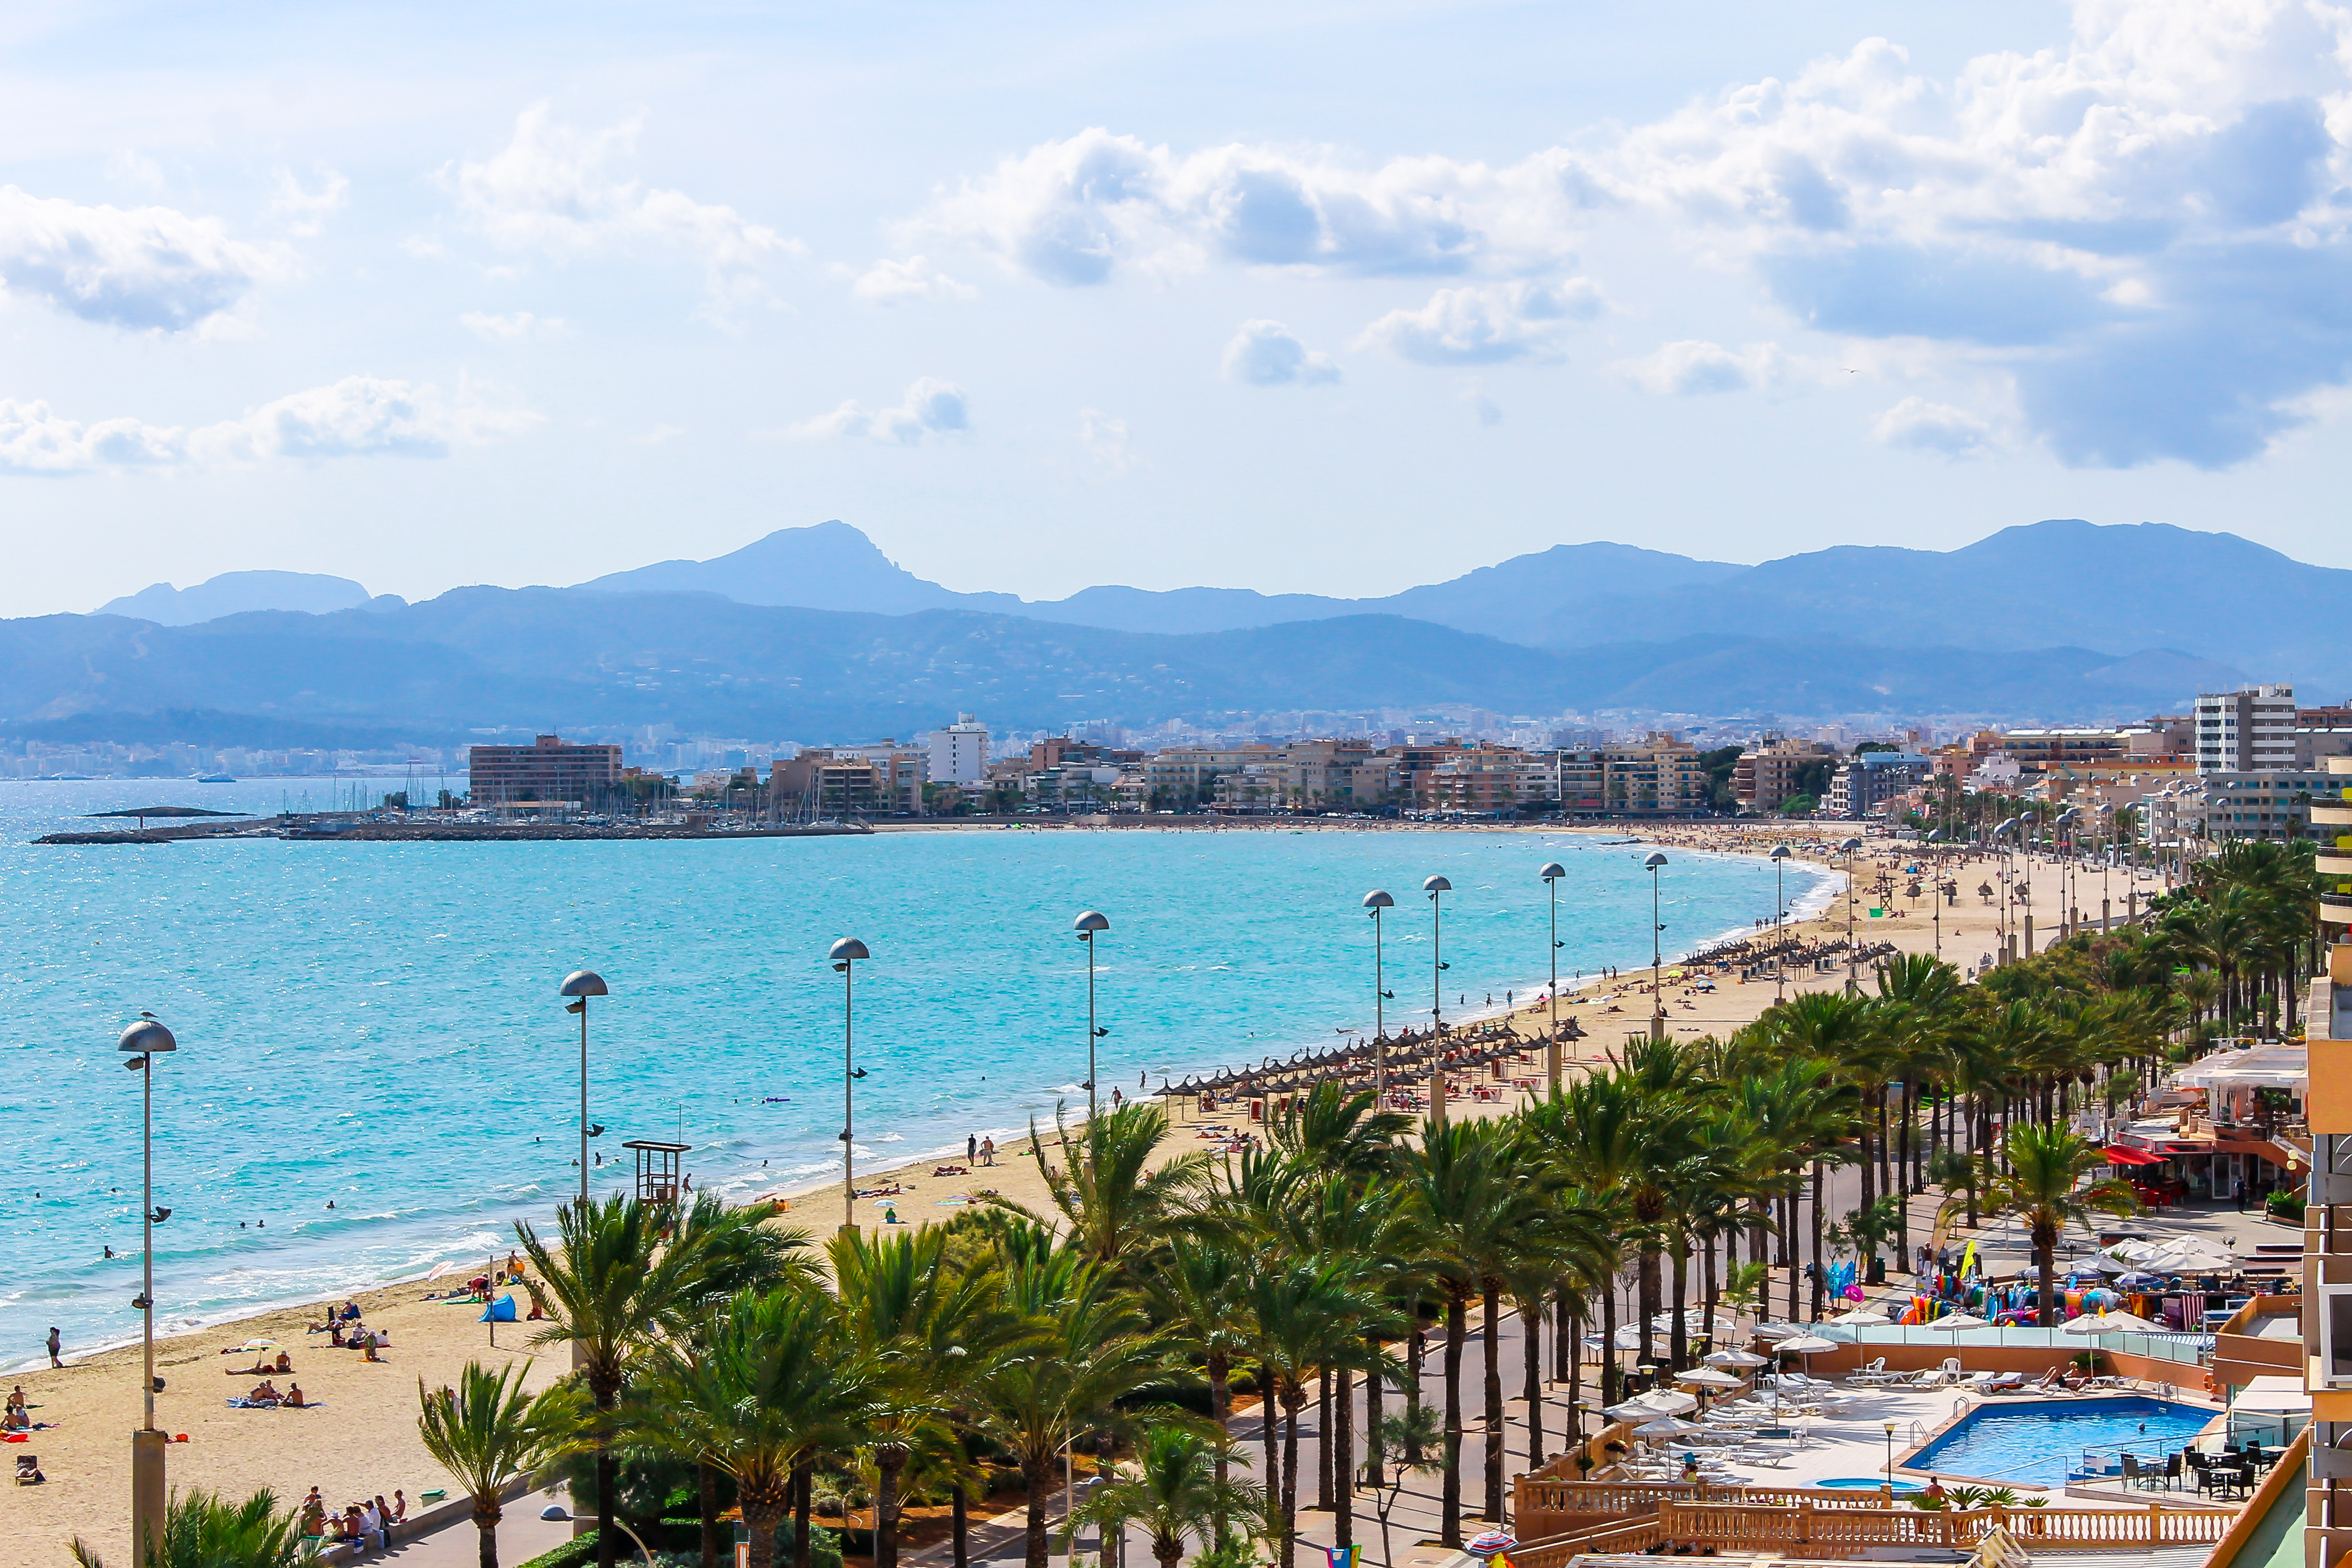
x: 235, y: 593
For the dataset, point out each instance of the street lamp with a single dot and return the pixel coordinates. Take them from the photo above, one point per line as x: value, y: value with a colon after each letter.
x: 1376, y: 900
x: 1085, y: 925
x: 142, y: 1042
x: 581, y: 985
x: 1853, y: 978
x: 1551, y: 874
x: 1779, y: 858
x: 1657, y: 964
x: 845, y: 956
x: 1436, y: 887
x: 1889, y: 1428
x: 1936, y: 886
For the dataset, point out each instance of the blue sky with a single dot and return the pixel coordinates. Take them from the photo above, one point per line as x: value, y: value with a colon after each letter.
x: 1326, y: 297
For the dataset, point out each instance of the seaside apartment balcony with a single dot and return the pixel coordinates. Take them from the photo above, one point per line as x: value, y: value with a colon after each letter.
x: 2332, y: 820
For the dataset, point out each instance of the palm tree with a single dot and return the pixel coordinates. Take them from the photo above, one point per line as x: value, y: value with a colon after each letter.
x: 1303, y: 1319
x: 1091, y: 1349
x: 203, y: 1531
x: 773, y: 1382
x: 606, y: 1292
x: 2047, y: 1163
x: 487, y: 1434
x: 1196, y: 1293
x: 926, y: 1324
x: 1176, y: 1492
x: 1114, y: 1204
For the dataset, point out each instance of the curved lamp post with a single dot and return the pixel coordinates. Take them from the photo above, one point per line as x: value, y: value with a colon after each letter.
x: 142, y: 1042
x: 1086, y: 925
x: 1935, y: 887
x: 1551, y: 874
x: 1779, y: 858
x: 581, y: 985
x: 1376, y: 900
x: 1436, y: 887
x: 1657, y: 954
x: 845, y: 956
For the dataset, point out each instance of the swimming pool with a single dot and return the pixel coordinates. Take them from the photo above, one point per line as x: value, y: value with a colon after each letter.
x: 1865, y: 1484
x: 2044, y: 1443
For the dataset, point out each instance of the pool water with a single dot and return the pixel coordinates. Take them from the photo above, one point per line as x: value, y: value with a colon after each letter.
x: 1864, y: 1483
x: 2044, y: 1443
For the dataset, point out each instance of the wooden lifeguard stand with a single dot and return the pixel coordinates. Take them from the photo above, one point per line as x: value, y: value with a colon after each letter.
x: 659, y: 1180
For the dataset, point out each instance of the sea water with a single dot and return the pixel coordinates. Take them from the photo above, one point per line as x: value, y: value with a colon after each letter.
x: 375, y: 1026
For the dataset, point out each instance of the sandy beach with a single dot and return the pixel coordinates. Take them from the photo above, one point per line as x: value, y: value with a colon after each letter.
x: 360, y: 1441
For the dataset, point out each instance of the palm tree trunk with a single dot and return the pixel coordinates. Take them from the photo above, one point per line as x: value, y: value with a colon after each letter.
x: 487, y: 1513
x: 1270, y: 1435
x: 1788, y: 1245
x: 1647, y: 1296
x: 1037, y: 1475
x: 1375, y: 1461
x: 1531, y: 1379
x: 1821, y: 1281
x: 608, y: 1478
x: 1565, y: 1327
x: 1412, y: 1393
x: 804, y: 1490
x: 761, y: 1516
x: 706, y: 1491
x: 889, y: 1458
x: 959, y: 1525
x: 1220, y: 1409
x: 1449, y: 1518
x: 2045, y: 1264
x: 1294, y: 1395
x: 1607, y: 1343
x: 1492, y: 1324
x: 1322, y: 1440
x: 1679, y: 1343
x: 1341, y: 1440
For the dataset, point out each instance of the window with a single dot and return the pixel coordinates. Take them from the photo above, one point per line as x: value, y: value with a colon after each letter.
x: 2336, y: 1335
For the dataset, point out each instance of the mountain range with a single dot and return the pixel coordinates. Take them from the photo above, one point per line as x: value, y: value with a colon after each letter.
x: 813, y: 632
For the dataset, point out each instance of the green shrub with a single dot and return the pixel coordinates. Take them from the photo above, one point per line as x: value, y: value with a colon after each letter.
x: 2285, y: 1205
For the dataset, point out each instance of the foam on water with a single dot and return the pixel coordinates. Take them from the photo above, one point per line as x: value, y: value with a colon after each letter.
x: 375, y: 1025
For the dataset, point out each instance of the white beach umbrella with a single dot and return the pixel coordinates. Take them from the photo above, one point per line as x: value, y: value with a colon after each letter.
x: 1957, y: 1321
x: 1737, y: 1359
x: 1656, y: 1403
x: 1806, y: 1344
x: 1860, y: 1317
x: 2189, y: 1254
x: 2110, y: 1324
x: 1666, y: 1426
x: 1778, y: 1330
x: 1707, y: 1377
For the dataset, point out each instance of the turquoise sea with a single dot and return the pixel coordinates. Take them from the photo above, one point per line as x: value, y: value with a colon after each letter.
x: 376, y: 1024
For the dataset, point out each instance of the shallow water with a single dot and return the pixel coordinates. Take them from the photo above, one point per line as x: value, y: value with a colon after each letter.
x: 376, y: 1024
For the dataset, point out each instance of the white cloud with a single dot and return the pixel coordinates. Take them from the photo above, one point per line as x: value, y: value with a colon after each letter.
x: 1487, y: 323
x: 931, y: 408
x: 144, y: 269
x: 515, y: 327
x: 1267, y: 354
x: 356, y: 417
x: 305, y: 211
x: 1918, y: 425
x: 558, y: 190
x: 1074, y: 211
x: 1106, y: 437
x: 1695, y: 367
x: 890, y: 282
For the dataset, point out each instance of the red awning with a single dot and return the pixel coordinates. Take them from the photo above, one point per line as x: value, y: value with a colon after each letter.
x: 2117, y: 1155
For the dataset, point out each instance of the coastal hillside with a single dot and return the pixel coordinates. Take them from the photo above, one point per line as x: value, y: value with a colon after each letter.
x: 487, y: 657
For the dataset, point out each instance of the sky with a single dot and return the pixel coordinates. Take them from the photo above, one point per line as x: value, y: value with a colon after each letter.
x: 1324, y: 296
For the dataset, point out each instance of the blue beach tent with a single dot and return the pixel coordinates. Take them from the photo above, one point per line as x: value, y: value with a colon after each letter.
x: 501, y: 1310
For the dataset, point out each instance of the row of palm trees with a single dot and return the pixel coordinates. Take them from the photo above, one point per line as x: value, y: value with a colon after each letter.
x: 1126, y: 1319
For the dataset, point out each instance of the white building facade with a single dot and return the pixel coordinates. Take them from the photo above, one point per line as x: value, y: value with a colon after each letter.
x: 960, y: 752
x: 2249, y: 731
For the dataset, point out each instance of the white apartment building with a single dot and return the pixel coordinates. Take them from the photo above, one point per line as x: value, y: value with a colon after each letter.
x: 2274, y: 803
x: 960, y: 752
x: 2245, y: 731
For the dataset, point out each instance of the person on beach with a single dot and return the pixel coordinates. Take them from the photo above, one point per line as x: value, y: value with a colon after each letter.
x: 56, y: 1344
x: 314, y: 1514
x: 295, y: 1399
x: 987, y: 1157
x: 971, y: 1147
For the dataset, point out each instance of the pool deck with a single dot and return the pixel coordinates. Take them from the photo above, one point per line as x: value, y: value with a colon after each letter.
x: 1855, y: 1444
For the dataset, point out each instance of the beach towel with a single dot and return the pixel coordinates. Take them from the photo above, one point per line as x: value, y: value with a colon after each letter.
x: 501, y: 1310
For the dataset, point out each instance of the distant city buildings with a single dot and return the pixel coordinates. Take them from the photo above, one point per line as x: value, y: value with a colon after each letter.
x: 2248, y: 730
x: 959, y: 752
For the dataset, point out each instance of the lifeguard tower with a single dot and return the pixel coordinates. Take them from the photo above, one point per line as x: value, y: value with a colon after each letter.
x: 658, y: 1179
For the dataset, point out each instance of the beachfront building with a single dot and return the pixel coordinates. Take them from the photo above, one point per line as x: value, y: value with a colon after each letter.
x: 959, y: 754
x: 1182, y: 778
x: 2047, y: 750
x: 1488, y: 781
x: 1868, y: 783
x: 839, y: 782
x: 2327, y: 1213
x: 2271, y: 804
x: 545, y: 771
x: 2251, y: 730
x: 1767, y: 774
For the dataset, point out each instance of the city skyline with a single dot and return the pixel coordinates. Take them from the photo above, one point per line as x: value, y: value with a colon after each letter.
x: 1215, y: 297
